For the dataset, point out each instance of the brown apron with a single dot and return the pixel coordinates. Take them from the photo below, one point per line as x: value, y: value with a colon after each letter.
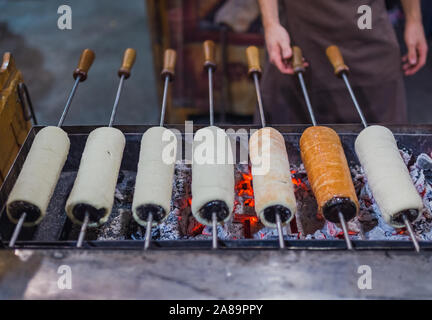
x: 372, y: 55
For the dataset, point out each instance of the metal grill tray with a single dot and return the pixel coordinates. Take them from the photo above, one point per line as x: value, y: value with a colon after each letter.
x: 417, y: 138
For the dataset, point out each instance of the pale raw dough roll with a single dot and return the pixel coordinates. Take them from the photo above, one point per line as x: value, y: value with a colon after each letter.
x: 214, y: 180
x: 272, y: 184
x: 38, y: 178
x: 387, y: 174
x: 153, y: 186
x: 94, y: 187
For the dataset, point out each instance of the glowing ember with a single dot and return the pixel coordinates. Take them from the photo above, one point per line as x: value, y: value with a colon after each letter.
x: 298, y: 181
x: 244, y: 189
x: 253, y: 220
x: 198, y: 229
x: 341, y: 235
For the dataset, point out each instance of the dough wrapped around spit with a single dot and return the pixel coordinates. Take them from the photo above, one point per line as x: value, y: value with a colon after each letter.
x: 94, y: 187
x: 328, y: 173
x: 272, y: 183
x: 387, y: 175
x: 153, y: 186
x: 39, y: 175
x: 212, y: 176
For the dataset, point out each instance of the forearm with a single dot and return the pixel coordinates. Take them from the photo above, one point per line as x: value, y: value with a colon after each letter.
x: 269, y: 12
x: 412, y: 11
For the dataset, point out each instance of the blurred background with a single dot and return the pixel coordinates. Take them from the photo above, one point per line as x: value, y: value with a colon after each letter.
x: 47, y: 57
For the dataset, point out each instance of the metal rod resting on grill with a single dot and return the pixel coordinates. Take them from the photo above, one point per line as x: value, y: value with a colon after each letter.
x: 299, y: 69
x: 341, y: 70
x: 148, y: 231
x: 280, y: 232
x: 83, y: 230
x: 17, y: 230
x: 255, y: 72
x: 80, y: 74
x: 167, y: 74
x: 411, y: 232
x: 214, y: 231
x: 124, y: 73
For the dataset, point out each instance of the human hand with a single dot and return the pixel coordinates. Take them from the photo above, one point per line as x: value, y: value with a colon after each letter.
x: 417, y: 46
x: 278, y: 44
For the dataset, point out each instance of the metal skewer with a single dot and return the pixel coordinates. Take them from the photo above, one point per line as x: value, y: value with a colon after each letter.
x: 83, y: 230
x: 210, y: 66
x: 116, y: 101
x: 164, y: 100
x: 354, y: 99
x: 80, y: 74
x: 69, y: 101
x: 345, y: 231
x: 259, y: 98
x: 214, y: 231
x: 411, y: 232
x: 148, y: 231
x: 211, y: 105
x: 17, y: 230
x: 255, y: 72
x: 280, y: 232
x: 167, y: 74
x: 299, y: 69
x: 306, y: 96
x: 124, y: 73
x: 341, y: 70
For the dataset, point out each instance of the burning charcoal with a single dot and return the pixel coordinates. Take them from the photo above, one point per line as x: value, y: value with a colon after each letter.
x: 118, y: 226
x: 244, y: 196
x: 367, y: 220
x: 180, y: 223
x: 228, y: 231
x: 428, y: 176
x: 120, y: 178
x: 271, y: 234
x: 318, y: 235
x: 124, y: 190
x: 169, y: 229
x: 407, y: 155
x: 424, y: 162
x: 118, y: 195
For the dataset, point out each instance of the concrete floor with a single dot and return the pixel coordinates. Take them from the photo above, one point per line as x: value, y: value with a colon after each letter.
x: 47, y: 57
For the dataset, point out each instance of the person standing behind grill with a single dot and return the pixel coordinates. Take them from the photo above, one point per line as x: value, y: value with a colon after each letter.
x: 373, y: 55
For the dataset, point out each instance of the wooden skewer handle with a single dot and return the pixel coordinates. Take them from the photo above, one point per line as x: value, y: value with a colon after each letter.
x: 170, y: 57
x: 209, y: 54
x: 252, y: 54
x: 336, y: 59
x: 86, y: 60
x: 128, y: 62
x: 298, y: 64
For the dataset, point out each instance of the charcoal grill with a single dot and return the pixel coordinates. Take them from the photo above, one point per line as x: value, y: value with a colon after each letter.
x: 50, y: 244
x: 418, y: 139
